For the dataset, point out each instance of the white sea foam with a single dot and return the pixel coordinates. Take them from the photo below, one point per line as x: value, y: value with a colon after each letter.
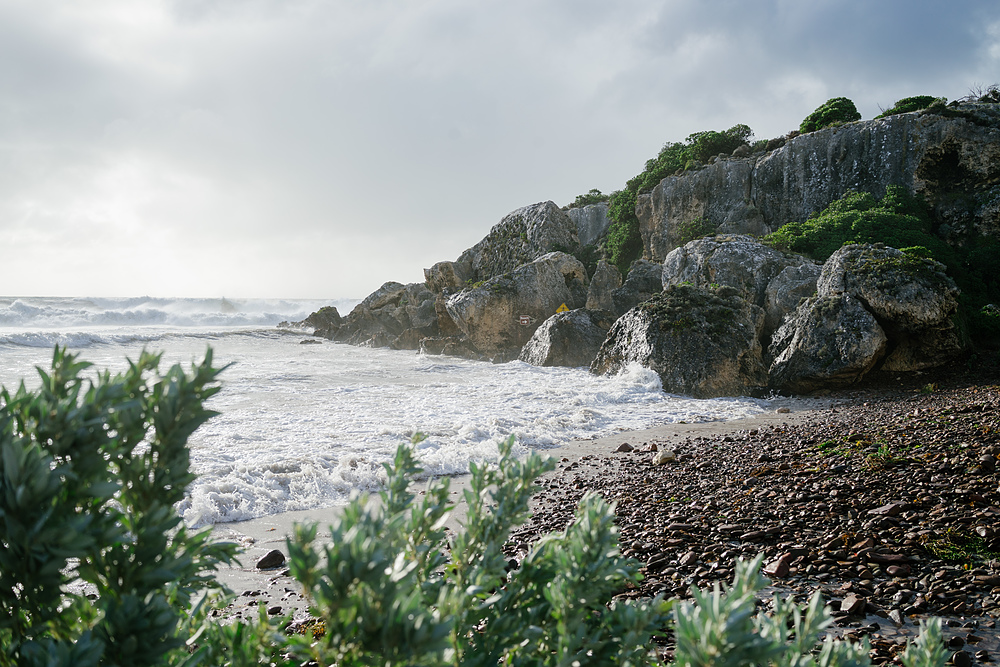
x: 304, y: 426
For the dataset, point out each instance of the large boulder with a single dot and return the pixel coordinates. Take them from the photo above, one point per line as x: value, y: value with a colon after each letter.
x: 447, y: 277
x: 394, y: 315
x: 949, y: 157
x: 522, y: 236
x: 748, y: 266
x: 644, y: 279
x: 702, y: 342
x: 571, y: 338
x: 911, y: 297
x: 591, y: 221
x: 607, y: 278
x: 490, y: 315
x: 787, y: 290
x: 829, y: 341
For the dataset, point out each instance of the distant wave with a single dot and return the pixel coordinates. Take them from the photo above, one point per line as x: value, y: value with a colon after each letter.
x: 50, y: 313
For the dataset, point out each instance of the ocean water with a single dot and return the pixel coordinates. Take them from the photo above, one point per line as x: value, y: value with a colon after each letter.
x: 305, y: 425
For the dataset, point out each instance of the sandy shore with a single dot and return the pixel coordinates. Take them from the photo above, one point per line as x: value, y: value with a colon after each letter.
x: 278, y: 591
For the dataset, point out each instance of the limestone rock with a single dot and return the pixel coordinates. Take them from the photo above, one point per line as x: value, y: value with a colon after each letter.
x: 591, y: 221
x: 447, y: 277
x: 747, y: 265
x: 702, y: 342
x: 394, y: 315
x: 489, y: 315
x: 787, y: 289
x: 828, y: 341
x: 941, y: 157
x: 522, y: 236
x: 912, y: 298
x: 645, y: 278
x: 454, y: 346
x: 607, y: 278
x: 325, y: 317
x: 569, y: 338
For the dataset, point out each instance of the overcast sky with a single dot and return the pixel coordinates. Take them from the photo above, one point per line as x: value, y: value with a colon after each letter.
x: 303, y: 148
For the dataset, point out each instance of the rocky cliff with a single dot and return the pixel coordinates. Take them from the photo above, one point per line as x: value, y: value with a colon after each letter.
x: 776, y: 322
x: 951, y: 157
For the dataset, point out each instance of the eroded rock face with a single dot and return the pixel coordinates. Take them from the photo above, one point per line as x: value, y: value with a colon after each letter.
x: 829, y: 341
x: 909, y: 292
x: 787, y: 290
x: 952, y: 161
x: 519, y: 238
x: 748, y: 266
x: 875, y: 307
x: 607, y: 278
x: 591, y: 221
x: 645, y: 278
x: 394, y: 315
x: 447, y: 277
x: 702, y: 342
x: 912, y: 298
x: 570, y: 338
x: 490, y: 315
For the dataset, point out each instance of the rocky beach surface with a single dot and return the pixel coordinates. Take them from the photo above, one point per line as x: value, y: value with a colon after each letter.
x: 884, y: 498
x: 887, y: 503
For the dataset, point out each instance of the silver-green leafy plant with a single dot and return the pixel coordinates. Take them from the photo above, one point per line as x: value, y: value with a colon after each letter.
x: 391, y: 589
x: 722, y: 628
x: 90, y: 471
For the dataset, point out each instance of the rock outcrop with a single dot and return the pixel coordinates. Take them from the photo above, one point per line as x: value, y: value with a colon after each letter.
x: 644, y: 279
x: 591, y: 221
x: 912, y: 298
x: 522, y: 236
x: 748, y: 266
x: 830, y: 341
x: 490, y: 315
x: 950, y: 157
x: 607, y: 278
x: 394, y: 315
x: 570, y: 338
x: 448, y: 277
x: 702, y: 342
x: 875, y: 307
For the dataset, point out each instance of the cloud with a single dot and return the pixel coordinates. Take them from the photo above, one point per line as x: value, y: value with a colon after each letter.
x: 309, y: 148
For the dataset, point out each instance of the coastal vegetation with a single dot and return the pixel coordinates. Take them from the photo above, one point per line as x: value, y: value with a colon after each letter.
x: 624, y: 243
x: 915, y: 103
x: 90, y: 471
x: 902, y: 221
x: 835, y: 111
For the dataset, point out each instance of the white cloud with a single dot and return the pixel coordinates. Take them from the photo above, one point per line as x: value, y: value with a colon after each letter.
x: 309, y: 147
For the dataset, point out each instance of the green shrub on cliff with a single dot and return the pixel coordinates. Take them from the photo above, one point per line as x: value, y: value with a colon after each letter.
x: 624, y: 243
x: 594, y: 196
x: 908, y: 104
x: 834, y: 111
x: 897, y: 220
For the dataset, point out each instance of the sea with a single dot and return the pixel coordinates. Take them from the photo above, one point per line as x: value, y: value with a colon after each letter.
x: 304, y: 426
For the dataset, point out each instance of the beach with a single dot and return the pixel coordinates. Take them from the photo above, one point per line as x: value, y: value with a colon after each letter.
x: 863, y: 495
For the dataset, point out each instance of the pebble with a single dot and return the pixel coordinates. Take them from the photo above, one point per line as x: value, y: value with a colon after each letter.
x: 272, y: 559
x: 853, y: 529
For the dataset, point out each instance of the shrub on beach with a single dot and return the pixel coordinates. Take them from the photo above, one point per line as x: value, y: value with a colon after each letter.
x: 88, y: 482
x: 89, y: 478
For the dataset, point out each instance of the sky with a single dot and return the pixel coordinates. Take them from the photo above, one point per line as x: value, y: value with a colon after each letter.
x: 316, y: 149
